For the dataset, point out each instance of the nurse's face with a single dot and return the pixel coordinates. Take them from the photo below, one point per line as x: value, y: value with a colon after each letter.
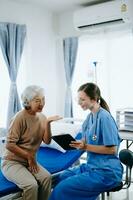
x: 84, y: 101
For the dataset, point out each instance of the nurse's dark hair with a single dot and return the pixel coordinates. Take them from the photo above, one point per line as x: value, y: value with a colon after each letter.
x: 93, y: 91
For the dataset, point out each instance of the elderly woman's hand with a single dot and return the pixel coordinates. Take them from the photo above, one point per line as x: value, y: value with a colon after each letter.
x: 33, y: 167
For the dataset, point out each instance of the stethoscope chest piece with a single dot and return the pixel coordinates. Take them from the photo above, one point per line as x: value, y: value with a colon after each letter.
x: 94, y: 137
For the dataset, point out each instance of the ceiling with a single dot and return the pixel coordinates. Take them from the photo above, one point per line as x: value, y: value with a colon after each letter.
x: 60, y: 5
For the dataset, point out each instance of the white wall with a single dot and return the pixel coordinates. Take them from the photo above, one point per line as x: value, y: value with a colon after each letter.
x: 66, y: 25
x: 38, y: 63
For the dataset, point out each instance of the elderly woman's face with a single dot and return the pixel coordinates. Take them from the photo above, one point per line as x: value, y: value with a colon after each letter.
x: 37, y: 103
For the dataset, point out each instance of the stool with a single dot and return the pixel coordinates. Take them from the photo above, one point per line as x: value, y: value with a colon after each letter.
x: 126, y: 158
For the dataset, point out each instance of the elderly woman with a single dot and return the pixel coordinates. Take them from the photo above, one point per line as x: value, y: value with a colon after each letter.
x: 28, y: 128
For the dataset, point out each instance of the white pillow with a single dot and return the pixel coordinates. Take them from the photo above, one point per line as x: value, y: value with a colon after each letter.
x: 62, y: 127
x: 53, y: 145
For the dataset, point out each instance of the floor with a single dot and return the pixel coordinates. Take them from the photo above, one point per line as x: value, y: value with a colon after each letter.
x: 121, y: 195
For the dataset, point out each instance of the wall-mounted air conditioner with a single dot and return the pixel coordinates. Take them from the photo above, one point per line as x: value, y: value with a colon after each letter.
x: 117, y: 13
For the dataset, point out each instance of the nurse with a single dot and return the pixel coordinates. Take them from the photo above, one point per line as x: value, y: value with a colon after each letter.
x: 101, y: 140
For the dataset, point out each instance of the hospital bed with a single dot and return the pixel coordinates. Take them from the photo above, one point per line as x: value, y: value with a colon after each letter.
x: 53, y: 160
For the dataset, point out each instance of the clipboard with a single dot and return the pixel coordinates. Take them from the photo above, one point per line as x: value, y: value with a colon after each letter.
x: 64, y: 140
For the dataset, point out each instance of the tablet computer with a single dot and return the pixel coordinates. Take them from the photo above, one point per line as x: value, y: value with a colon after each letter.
x: 64, y: 140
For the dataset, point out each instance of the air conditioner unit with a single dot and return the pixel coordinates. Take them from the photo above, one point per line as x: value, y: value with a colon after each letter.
x: 106, y: 15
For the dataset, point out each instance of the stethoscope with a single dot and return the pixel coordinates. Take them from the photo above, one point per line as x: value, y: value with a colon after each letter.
x: 94, y: 136
x: 91, y: 118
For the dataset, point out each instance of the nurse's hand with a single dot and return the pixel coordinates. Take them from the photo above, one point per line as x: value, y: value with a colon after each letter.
x: 78, y: 144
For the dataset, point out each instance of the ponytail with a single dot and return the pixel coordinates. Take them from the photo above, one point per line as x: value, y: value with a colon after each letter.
x: 103, y: 104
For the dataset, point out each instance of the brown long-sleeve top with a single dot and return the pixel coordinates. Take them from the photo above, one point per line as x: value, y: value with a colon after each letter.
x: 27, y: 132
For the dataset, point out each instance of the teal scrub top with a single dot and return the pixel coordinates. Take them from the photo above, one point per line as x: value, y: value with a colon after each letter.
x: 100, y: 129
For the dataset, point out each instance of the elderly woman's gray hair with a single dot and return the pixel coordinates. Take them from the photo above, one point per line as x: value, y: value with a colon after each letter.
x: 30, y: 93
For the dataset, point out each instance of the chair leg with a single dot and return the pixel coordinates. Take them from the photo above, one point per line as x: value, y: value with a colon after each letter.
x: 108, y: 194
x: 103, y: 196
